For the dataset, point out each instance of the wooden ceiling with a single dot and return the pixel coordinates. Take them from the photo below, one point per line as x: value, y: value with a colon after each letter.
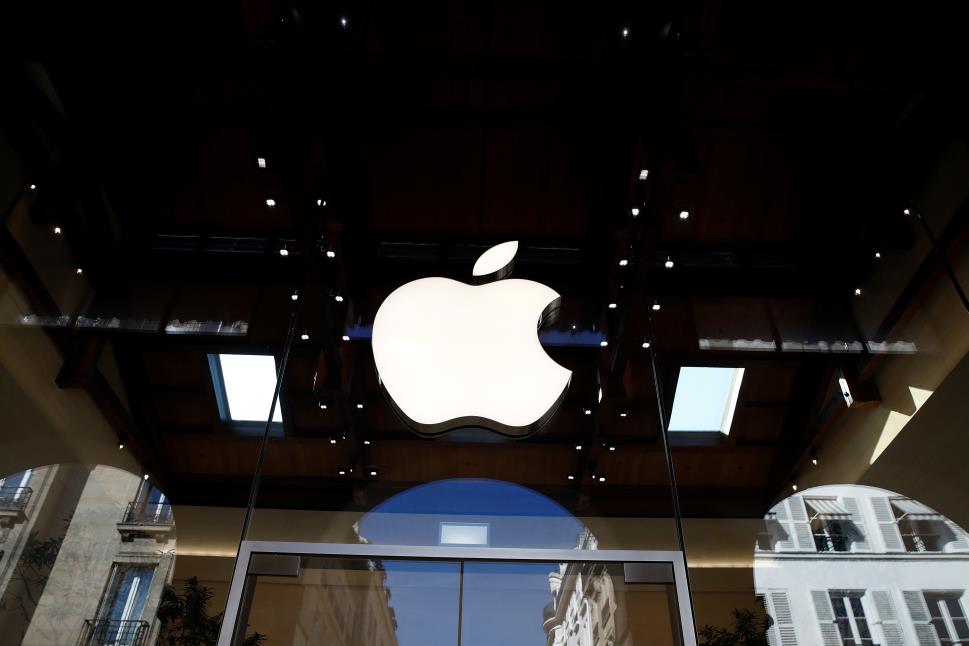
x: 433, y: 131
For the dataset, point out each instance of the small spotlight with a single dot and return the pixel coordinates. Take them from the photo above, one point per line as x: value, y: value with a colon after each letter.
x: 623, y: 262
x: 603, y: 343
x: 625, y: 32
x: 332, y: 440
x: 359, y: 406
x: 304, y: 337
x: 33, y: 187
x: 857, y: 291
x: 270, y: 202
x: 120, y: 445
x: 669, y: 263
x: 144, y: 477
x: 320, y: 202
x: 623, y: 414
x: 602, y: 478
x: 571, y: 477
x: 634, y: 211
x: 793, y: 486
x: 57, y: 231
x: 578, y: 447
x: 345, y: 337
x: 613, y: 306
x: 322, y: 406
x: 366, y: 442
x: 342, y: 472
x: 586, y: 411
x: 612, y: 448
x: 344, y: 22
x: 574, y: 327
x: 684, y: 215
x: 283, y: 251
x: 338, y: 298
x: 261, y: 162
x: 79, y: 271
x: 645, y: 345
x: 814, y: 461
x: 878, y: 255
x: 373, y: 473
x: 905, y: 211
x: 643, y: 174
x: 656, y: 306
x: 330, y: 253
x: 294, y: 296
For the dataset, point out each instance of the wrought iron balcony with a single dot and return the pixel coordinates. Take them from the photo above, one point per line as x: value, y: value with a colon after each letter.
x: 13, y: 505
x: 113, y: 632
x: 147, y: 520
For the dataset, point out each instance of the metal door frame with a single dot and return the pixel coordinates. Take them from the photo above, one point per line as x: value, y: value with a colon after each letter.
x: 423, y: 552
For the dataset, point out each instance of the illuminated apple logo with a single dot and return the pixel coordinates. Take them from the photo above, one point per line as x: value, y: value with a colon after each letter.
x: 451, y: 355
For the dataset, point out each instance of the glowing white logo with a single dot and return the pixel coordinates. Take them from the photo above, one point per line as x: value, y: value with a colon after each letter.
x: 451, y: 355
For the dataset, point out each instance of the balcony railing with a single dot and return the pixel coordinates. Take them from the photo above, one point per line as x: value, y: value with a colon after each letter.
x: 832, y: 542
x: 140, y: 512
x: 113, y: 632
x: 147, y: 520
x: 14, y: 498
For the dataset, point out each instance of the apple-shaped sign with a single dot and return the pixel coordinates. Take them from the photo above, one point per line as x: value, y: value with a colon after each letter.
x: 451, y: 355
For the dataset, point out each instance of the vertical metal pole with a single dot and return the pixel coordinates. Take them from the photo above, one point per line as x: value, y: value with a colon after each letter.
x: 674, y: 492
x: 460, y: 602
x: 239, y: 630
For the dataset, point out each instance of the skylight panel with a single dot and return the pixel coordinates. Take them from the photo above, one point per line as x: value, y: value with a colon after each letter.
x: 705, y: 399
x: 249, y: 381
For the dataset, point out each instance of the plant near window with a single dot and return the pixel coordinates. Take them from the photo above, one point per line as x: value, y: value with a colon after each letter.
x: 748, y: 629
x: 185, y: 621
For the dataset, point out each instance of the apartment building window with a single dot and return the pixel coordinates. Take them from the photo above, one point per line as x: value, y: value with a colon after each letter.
x: 948, y: 617
x: 922, y: 528
x: 849, y: 616
x: 831, y: 525
x: 13, y: 488
x: 119, y: 621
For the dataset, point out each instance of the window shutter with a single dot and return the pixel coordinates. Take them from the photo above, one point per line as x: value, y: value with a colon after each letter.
x: 887, y: 525
x: 801, y: 525
x: 822, y: 606
x: 780, y: 612
x: 784, y: 541
x: 961, y: 541
x: 860, y: 545
x: 888, y: 619
x: 919, y: 612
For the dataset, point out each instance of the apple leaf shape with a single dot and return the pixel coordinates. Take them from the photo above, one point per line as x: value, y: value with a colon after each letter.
x: 495, y: 263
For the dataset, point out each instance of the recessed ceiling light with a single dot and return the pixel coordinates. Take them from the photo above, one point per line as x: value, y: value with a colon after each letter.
x: 603, y: 343
x: 145, y: 477
x: 878, y: 254
x: 57, y: 231
x: 373, y: 473
x: 586, y: 411
x: 270, y: 202
x: 80, y: 271
x: 623, y: 262
x: 330, y: 253
x: 684, y: 215
x: 643, y: 174
x: 294, y: 296
x: 578, y: 447
x: 669, y: 263
x: 571, y: 477
x: 346, y: 338
x: 623, y: 414
x: 366, y: 442
x: 793, y: 486
x: 33, y: 187
x: 613, y: 306
x: 321, y: 202
x: 905, y: 211
x: 342, y: 472
x: 359, y: 405
x: 283, y: 251
x: 657, y: 307
x: 857, y: 291
x: 332, y: 440
x: 634, y: 211
x: 612, y: 448
x: 120, y: 445
x: 602, y: 478
x: 338, y: 298
x: 625, y: 32
x: 261, y: 162
x: 322, y: 406
x: 344, y: 22
x: 304, y: 336
x: 645, y: 345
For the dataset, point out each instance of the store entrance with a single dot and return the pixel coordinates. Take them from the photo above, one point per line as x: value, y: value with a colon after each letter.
x: 353, y: 596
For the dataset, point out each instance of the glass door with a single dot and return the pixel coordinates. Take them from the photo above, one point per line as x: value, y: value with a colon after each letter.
x: 479, y: 600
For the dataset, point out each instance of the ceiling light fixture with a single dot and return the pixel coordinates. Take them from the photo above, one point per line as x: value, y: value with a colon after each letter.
x: 304, y: 336
x: 645, y: 345
x: 669, y: 263
x: 656, y: 306
x: 602, y: 478
x: 57, y: 231
x: 586, y: 411
x: 373, y: 473
x: 905, y: 211
x: 79, y: 271
x: 261, y: 162
x: 603, y: 343
x: 814, y: 458
x: 623, y: 262
x: 283, y: 251
x: 684, y: 215
x: 33, y: 187
x: 342, y: 472
x: 613, y: 306
x: 144, y: 477
x: 345, y: 337
x: 344, y: 22
x: 612, y: 448
x: 120, y: 445
x: 332, y: 440
x: 320, y: 202
x: 878, y: 255
x: 294, y: 296
x: 857, y: 291
x: 330, y: 253
x: 634, y: 211
x: 322, y: 406
x: 571, y: 477
x: 793, y: 486
x: 578, y: 447
x: 625, y: 32
x: 623, y: 414
x: 338, y: 298
x: 270, y: 202
x: 643, y: 174
x: 359, y: 406
x: 366, y: 442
